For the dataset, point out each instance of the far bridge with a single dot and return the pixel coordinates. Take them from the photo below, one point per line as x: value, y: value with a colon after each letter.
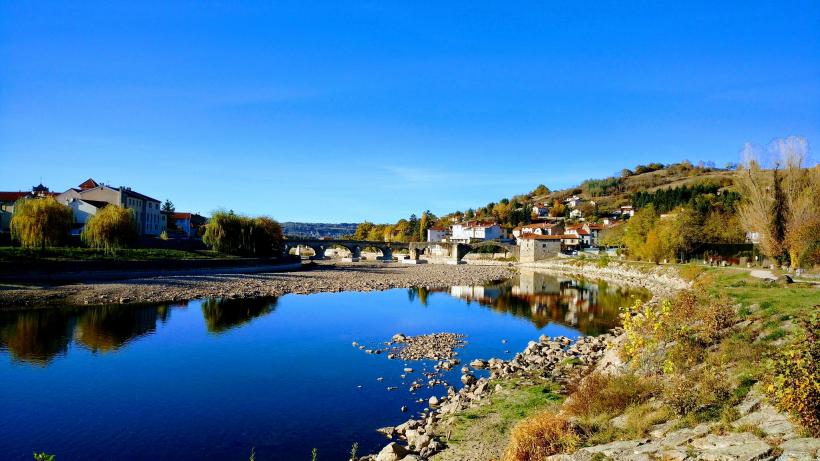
x: 319, y: 246
x: 453, y: 253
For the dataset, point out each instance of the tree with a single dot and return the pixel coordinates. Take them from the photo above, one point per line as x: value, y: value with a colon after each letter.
x: 363, y: 230
x: 540, y: 190
x: 612, y: 236
x: 40, y: 222
x: 425, y: 223
x: 112, y: 228
x: 558, y: 209
x: 780, y: 204
x: 229, y: 233
x: 168, y: 207
x: 637, y: 229
x: 168, y: 210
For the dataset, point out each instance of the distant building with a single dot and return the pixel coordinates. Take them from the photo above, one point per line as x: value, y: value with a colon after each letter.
x: 436, y: 234
x: 627, y: 210
x: 540, y: 210
x: 576, y: 214
x: 188, y: 223
x: 83, y: 210
x: 146, y: 209
x: 533, y: 247
x: 573, y: 201
x: 546, y: 228
x: 474, y: 231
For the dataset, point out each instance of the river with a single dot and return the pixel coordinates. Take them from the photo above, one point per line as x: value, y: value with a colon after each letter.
x: 214, y: 379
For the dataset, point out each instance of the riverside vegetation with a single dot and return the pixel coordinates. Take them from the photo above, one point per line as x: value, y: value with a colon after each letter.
x: 723, y: 369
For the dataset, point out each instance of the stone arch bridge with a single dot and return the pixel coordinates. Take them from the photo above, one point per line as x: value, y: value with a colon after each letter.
x: 355, y: 247
x: 452, y: 253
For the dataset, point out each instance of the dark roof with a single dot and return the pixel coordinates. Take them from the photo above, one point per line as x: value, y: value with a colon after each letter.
x: 95, y: 203
x: 12, y: 196
x: 138, y: 195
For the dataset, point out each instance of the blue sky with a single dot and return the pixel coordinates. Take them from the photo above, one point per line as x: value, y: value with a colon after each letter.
x: 344, y: 111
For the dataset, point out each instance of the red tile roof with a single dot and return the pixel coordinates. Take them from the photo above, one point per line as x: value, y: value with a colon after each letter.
x: 12, y: 196
x: 88, y: 184
x: 181, y: 215
x: 540, y: 237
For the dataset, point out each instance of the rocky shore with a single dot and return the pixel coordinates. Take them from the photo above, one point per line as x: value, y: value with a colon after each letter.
x: 322, y: 277
x: 556, y: 359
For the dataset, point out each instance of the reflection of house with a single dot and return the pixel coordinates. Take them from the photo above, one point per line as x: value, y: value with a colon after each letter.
x: 146, y: 209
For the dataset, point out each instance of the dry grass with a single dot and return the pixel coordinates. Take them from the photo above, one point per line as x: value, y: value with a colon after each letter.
x: 540, y: 436
x: 602, y: 394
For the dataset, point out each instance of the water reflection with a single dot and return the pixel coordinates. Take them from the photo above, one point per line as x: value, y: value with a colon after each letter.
x: 223, y: 314
x: 590, y: 307
x: 39, y: 336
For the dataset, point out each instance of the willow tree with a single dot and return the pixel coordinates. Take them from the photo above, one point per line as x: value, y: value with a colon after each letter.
x: 112, y: 228
x: 40, y: 222
x: 780, y: 203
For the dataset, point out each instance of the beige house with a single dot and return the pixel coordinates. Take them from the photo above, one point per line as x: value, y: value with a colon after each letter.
x: 146, y: 209
x: 533, y: 247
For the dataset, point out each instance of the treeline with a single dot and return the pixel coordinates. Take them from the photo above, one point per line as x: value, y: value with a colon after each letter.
x: 413, y: 229
x: 665, y: 200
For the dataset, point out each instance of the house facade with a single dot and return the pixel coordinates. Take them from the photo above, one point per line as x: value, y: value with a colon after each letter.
x: 188, y: 223
x: 436, y: 234
x: 533, y: 247
x: 7, y: 200
x: 146, y: 209
x: 474, y: 231
x: 540, y: 210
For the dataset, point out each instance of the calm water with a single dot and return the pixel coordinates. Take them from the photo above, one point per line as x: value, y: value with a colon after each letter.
x: 211, y: 379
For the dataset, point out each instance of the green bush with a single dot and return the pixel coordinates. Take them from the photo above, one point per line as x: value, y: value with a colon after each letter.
x: 794, y: 377
x: 112, y: 228
x: 233, y: 234
x: 40, y: 222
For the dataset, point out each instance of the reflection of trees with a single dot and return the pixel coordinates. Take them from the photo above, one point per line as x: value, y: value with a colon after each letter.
x: 418, y: 292
x: 224, y: 314
x: 108, y: 328
x: 589, y: 307
x: 35, y: 336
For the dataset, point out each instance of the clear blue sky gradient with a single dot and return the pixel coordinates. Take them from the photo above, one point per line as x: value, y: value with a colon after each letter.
x: 344, y: 111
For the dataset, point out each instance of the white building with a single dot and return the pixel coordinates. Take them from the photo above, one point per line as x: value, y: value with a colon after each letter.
x: 474, y: 231
x: 436, y: 234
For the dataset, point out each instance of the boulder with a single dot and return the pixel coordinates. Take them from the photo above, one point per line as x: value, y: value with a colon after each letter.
x: 398, y: 338
x: 392, y: 452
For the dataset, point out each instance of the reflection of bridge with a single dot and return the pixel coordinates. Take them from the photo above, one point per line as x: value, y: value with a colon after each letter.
x: 453, y: 252
x: 355, y: 247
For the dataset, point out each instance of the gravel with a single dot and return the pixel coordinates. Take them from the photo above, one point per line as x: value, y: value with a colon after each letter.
x: 323, y: 277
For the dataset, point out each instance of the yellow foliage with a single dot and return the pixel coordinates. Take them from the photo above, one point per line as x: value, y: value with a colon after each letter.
x: 112, y: 228
x: 40, y: 222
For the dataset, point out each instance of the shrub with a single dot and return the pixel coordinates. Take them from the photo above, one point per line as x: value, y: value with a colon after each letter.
x: 112, y: 228
x: 602, y: 262
x: 40, y: 222
x: 690, y: 272
x: 540, y: 436
x: 701, y: 390
x: 230, y: 233
x: 794, y: 377
x: 601, y: 393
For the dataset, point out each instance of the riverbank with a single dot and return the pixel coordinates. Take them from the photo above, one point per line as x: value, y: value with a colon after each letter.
x: 315, y: 278
x: 668, y: 399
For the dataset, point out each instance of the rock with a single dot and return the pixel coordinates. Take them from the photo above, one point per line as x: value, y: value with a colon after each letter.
x: 478, y: 364
x: 433, y: 401
x: 785, y: 279
x: 388, y: 431
x: 404, y: 409
x: 807, y: 449
x: 408, y: 370
x: 467, y: 379
x: 614, y: 450
x: 398, y: 338
x: 734, y: 446
x: 392, y: 452
x: 683, y: 436
x: 769, y: 420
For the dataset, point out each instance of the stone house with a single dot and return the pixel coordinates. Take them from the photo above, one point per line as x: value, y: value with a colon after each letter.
x: 533, y: 247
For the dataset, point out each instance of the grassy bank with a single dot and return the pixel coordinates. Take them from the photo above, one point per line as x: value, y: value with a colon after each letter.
x: 15, y: 254
x: 690, y: 361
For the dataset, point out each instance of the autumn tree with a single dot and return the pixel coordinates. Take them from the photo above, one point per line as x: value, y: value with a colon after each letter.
x: 112, y: 228
x: 40, y: 222
x: 780, y: 203
x: 558, y: 209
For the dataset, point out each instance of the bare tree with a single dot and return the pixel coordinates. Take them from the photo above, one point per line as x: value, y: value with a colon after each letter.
x: 780, y: 203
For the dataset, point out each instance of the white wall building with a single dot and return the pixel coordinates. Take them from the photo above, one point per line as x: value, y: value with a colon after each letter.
x: 474, y: 231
